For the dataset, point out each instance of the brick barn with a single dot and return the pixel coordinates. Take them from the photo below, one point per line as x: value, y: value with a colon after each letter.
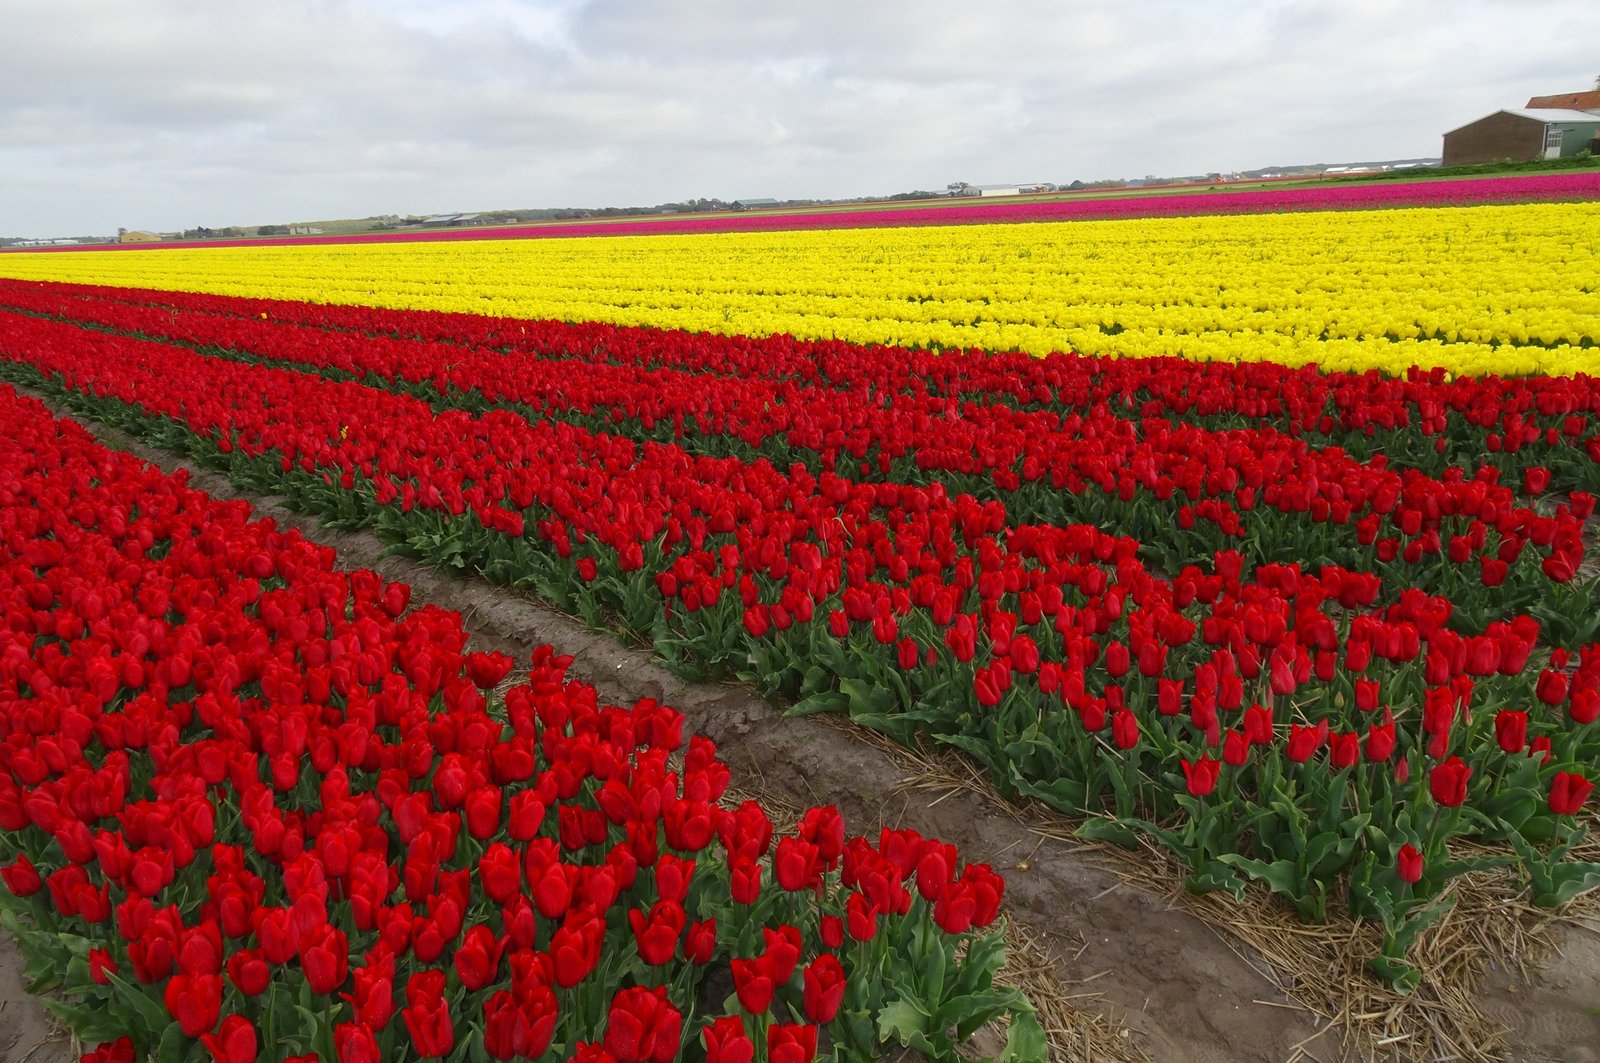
x: 1526, y: 133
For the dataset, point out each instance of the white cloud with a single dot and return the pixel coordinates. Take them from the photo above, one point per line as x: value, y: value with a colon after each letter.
x: 174, y: 113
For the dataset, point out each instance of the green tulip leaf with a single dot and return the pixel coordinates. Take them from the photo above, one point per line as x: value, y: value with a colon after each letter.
x: 1025, y: 1040
x: 1397, y: 974
x: 903, y: 1022
x: 1280, y: 876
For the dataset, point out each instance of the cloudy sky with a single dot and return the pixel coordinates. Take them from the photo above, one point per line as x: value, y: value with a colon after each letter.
x: 170, y: 114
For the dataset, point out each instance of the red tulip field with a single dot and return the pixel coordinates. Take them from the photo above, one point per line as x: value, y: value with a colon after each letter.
x: 1320, y: 642
x: 420, y: 843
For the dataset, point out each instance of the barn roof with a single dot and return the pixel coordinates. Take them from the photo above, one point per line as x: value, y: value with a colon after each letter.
x: 1579, y: 100
x: 1554, y: 114
x: 1540, y: 114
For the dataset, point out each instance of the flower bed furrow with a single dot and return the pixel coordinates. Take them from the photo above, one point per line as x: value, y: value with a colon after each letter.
x: 1355, y: 739
x: 251, y: 803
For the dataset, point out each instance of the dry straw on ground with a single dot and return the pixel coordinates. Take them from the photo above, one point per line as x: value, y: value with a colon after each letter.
x: 1078, y: 1030
x: 1322, y: 967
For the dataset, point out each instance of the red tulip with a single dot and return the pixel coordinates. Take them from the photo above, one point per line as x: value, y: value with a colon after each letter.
x: 673, y: 876
x: 752, y: 981
x: 519, y: 1025
x: 744, y: 880
x: 861, y: 917
x: 486, y: 670
x: 1169, y: 696
x: 689, y: 825
x: 526, y: 815
x: 1380, y: 741
x: 1124, y: 729
x: 656, y: 934
x: 1447, y: 782
x: 783, y: 951
x: 119, y: 1051
x: 1561, y: 566
x: 1024, y: 654
x: 482, y: 811
x: 427, y: 1015
x: 791, y: 1043
x: 1568, y: 792
x: 575, y: 947
x: 324, y: 955
x: 1303, y: 742
x: 1235, y: 748
x: 908, y: 653
x: 727, y: 1042
x: 354, y: 1043
x: 797, y: 864
x: 21, y: 877
x: 477, y: 957
x: 249, y: 972
x: 499, y: 872
x: 1257, y: 725
x: 700, y: 941
x: 824, y: 827
x: 1552, y: 687
x: 756, y: 621
x: 195, y: 1001
x: 824, y: 989
x: 643, y: 1026
x: 1408, y: 862
x: 1511, y: 730
x: 234, y: 1042
x: 1540, y: 747
x: 1344, y: 749
x: 1200, y: 776
x: 101, y: 966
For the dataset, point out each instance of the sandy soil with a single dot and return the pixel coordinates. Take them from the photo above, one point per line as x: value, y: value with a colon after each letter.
x: 27, y: 1031
x: 1555, y: 1014
x: 1182, y: 989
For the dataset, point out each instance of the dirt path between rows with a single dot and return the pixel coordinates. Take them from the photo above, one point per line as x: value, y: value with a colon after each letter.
x: 1179, y: 989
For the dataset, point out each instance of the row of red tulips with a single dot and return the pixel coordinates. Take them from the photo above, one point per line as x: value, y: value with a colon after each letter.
x: 1316, y: 719
x: 1425, y: 419
x: 253, y: 807
x: 1277, y: 493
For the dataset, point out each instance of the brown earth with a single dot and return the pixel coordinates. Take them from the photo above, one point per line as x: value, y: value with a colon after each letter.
x: 1138, y: 973
x: 28, y: 1032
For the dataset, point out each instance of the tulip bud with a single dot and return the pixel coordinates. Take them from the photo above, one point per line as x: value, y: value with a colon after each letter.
x: 1408, y: 863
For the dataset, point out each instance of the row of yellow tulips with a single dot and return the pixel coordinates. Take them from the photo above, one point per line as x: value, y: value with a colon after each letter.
x: 1507, y: 289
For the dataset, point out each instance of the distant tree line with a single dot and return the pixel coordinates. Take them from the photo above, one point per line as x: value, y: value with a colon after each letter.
x: 201, y: 232
x: 687, y: 206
